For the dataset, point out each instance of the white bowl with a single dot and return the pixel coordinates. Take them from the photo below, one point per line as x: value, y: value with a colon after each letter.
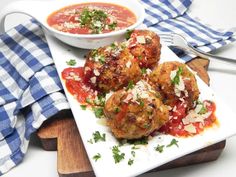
x: 40, y: 10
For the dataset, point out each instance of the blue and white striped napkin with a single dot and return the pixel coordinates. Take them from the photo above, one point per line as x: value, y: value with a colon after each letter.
x: 30, y: 89
x: 165, y: 16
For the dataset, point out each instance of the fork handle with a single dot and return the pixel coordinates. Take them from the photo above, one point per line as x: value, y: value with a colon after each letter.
x: 205, y: 55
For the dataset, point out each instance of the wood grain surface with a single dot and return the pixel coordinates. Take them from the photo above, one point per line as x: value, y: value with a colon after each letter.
x: 60, y: 133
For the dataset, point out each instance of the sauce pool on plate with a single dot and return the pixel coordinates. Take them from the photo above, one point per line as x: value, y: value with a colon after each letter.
x: 91, y: 18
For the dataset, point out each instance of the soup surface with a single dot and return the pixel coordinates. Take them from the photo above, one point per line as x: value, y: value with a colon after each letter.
x: 91, y: 18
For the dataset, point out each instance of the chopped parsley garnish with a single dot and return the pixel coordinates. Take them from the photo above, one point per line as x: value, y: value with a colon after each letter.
x: 133, y: 153
x: 83, y: 107
x: 90, y: 141
x: 100, y: 100
x: 130, y: 162
x: 101, y: 59
x: 71, y: 62
x: 117, y: 155
x: 95, y: 20
x: 97, y: 156
x: 98, y: 57
x: 203, y: 109
x: 135, y: 147
x: 113, y: 46
x: 98, y: 111
x: 146, y: 125
x: 112, y: 26
x: 130, y: 85
x: 139, y: 57
x: 128, y: 34
x: 173, y: 142
x: 144, y: 70
x: 94, y: 52
x: 97, y: 136
x: 176, y: 79
x: 88, y: 100
x: 141, y: 103
x: 117, y: 110
x: 159, y: 148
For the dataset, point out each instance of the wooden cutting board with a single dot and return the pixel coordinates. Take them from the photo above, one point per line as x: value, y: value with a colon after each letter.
x: 60, y: 133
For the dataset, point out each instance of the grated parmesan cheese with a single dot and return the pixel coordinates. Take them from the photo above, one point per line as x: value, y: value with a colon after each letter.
x: 93, y: 80
x: 141, y: 39
x: 148, y: 71
x: 128, y: 64
x: 173, y: 74
x: 87, y: 69
x: 96, y: 72
x: 71, y: 25
x: 190, y: 128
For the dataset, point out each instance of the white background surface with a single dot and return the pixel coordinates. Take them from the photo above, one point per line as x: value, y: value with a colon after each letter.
x: 217, y: 13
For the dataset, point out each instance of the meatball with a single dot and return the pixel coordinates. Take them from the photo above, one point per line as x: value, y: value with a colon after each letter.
x: 176, y: 83
x: 145, y: 46
x: 135, y: 113
x: 111, y: 68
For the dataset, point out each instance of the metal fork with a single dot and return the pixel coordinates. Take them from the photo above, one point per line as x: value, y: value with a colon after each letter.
x: 178, y: 41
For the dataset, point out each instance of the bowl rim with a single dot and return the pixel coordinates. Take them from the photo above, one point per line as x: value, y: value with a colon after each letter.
x: 103, y: 35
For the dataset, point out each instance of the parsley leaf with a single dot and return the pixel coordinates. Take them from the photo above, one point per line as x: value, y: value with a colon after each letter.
x: 100, y: 100
x: 101, y: 59
x: 112, y: 26
x: 159, y: 148
x: 97, y: 136
x: 83, y: 107
x: 97, y: 156
x: 133, y: 153
x: 176, y: 79
x: 88, y: 100
x: 130, y: 85
x: 128, y: 34
x: 173, y: 142
x: 117, y: 110
x: 71, y: 62
x: 130, y: 162
x: 117, y: 155
x: 140, y: 57
x: 203, y: 110
x: 141, y: 103
x: 98, y: 111
x: 90, y: 141
x: 144, y: 70
x: 135, y: 147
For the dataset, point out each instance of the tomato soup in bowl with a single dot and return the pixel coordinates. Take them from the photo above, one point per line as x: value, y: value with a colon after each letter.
x: 84, y: 24
x: 92, y: 18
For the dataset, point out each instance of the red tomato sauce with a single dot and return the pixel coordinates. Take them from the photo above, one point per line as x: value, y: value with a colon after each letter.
x: 175, y: 126
x: 68, y: 19
x: 77, y: 85
x: 80, y: 87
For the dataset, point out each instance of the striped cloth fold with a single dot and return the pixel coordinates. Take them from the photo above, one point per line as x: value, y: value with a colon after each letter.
x: 30, y: 90
x: 167, y: 16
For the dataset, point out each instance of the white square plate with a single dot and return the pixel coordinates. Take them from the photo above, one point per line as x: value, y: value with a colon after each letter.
x: 146, y: 157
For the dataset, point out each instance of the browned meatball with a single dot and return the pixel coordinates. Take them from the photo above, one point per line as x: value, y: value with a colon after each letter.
x: 135, y: 113
x: 145, y: 46
x: 175, y: 82
x: 111, y: 68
